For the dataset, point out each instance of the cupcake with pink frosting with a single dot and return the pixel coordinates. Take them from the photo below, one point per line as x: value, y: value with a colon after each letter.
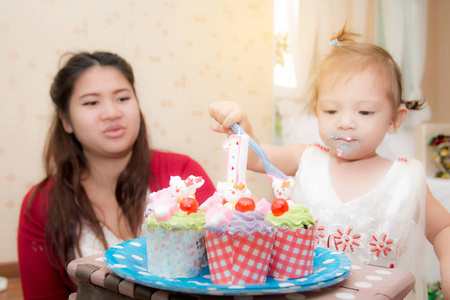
x: 174, y: 232
x: 239, y: 239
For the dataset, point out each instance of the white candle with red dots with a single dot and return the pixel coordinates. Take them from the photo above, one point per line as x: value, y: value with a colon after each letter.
x: 237, y: 147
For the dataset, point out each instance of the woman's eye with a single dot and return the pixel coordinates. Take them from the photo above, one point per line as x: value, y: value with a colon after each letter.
x: 90, y: 103
x: 123, y: 99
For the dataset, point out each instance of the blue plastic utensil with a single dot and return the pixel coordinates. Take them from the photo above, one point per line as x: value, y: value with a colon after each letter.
x: 270, y: 169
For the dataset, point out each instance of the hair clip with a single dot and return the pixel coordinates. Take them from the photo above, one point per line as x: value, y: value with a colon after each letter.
x: 335, y: 42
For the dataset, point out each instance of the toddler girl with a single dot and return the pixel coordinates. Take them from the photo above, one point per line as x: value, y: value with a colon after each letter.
x: 373, y: 209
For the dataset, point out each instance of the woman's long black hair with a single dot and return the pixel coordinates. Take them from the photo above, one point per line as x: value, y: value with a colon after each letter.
x: 69, y: 206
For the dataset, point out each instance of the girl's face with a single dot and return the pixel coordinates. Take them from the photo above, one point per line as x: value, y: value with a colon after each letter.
x: 354, y: 115
x: 103, y: 113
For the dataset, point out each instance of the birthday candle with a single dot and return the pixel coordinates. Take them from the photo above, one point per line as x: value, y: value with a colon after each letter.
x: 237, y: 147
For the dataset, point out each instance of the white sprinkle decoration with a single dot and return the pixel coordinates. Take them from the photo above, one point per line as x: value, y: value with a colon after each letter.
x: 199, y: 283
x: 363, y: 284
x: 286, y: 284
x: 236, y: 287
x: 374, y: 278
x: 328, y: 261
x: 344, y: 296
x: 119, y: 266
x: 135, y: 244
x: 118, y: 256
x: 137, y: 257
x: 383, y: 272
x: 321, y: 269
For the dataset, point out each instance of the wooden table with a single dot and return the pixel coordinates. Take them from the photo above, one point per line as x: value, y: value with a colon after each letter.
x: 96, y: 281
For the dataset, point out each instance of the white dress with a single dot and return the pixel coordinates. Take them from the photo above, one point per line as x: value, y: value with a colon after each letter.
x: 384, y: 227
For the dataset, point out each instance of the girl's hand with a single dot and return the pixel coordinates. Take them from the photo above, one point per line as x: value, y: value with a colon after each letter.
x: 285, y: 158
x: 226, y: 113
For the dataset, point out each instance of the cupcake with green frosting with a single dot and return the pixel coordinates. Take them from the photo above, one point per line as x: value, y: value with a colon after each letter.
x: 292, y: 217
x: 293, y: 249
x: 174, y: 234
x: 180, y: 220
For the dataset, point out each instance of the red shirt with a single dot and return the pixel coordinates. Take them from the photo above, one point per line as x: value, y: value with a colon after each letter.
x: 40, y: 279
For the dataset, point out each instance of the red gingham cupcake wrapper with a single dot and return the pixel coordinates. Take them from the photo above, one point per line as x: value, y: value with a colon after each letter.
x: 240, y: 258
x: 219, y: 249
x: 293, y: 253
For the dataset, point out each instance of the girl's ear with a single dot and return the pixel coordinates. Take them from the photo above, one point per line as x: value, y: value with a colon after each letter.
x: 66, y: 123
x: 401, y: 116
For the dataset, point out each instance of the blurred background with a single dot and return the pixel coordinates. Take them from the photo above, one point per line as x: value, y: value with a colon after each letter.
x: 187, y: 54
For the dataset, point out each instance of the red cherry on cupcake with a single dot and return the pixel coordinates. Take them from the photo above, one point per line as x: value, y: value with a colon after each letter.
x: 189, y: 205
x: 279, y: 206
x: 245, y: 204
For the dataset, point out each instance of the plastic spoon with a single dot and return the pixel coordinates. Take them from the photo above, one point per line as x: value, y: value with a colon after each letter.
x: 270, y: 169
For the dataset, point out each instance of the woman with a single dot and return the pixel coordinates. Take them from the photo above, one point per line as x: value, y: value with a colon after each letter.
x: 99, y: 170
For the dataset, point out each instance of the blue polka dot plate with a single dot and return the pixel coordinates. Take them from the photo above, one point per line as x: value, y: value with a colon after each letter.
x: 129, y: 261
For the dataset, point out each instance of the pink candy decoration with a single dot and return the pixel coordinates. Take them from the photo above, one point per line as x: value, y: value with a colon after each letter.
x: 263, y: 206
x: 218, y: 215
x: 211, y: 201
x: 163, y: 204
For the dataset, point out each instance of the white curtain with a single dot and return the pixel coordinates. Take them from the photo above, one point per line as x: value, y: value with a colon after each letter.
x: 312, y: 24
x: 399, y: 26
x: 401, y: 29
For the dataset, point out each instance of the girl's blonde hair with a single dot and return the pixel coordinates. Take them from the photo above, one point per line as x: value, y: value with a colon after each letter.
x: 348, y: 58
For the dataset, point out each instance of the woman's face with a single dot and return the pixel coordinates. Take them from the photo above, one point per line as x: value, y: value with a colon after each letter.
x: 103, y: 113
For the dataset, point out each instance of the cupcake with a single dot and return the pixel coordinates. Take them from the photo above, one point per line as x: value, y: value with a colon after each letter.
x: 239, y: 241
x: 174, y: 232
x: 293, y: 249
